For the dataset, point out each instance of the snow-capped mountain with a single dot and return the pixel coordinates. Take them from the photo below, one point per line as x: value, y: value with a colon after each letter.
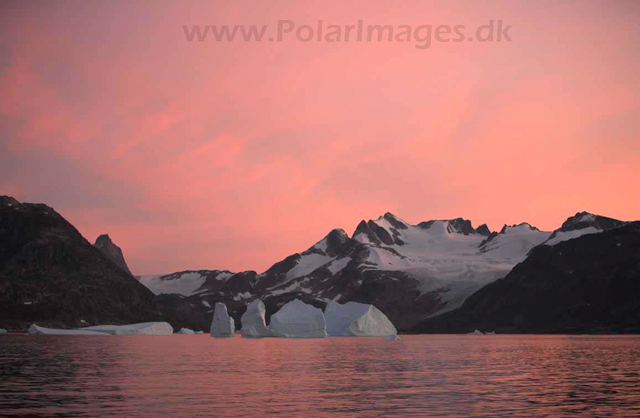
x: 582, y: 223
x: 410, y: 272
x: 582, y: 285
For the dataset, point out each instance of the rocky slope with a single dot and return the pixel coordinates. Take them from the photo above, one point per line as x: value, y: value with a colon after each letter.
x: 587, y: 284
x: 111, y: 251
x: 51, y: 275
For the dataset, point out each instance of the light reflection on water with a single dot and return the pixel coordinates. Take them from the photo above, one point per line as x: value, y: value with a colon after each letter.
x: 418, y: 375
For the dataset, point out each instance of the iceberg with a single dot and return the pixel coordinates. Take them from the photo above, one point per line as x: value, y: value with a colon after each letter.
x: 357, y: 320
x: 476, y: 332
x: 253, y: 321
x: 296, y: 319
x: 185, y: 331
x: 199, y: 332
x: 392, y: 337
x: 222, y: 324
x: 3, y: 331
x: 144, y: 328
x: 36, y: 330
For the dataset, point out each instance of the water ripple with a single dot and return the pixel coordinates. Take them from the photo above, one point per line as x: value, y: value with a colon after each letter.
x: 418, y: 375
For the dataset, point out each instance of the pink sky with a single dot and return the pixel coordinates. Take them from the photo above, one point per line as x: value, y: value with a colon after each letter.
x: 234, y: 155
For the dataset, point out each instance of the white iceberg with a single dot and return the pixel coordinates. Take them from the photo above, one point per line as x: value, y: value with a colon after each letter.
x: 253, y: 321
x: 36, y: 330
x: 222, y: 324
x: 186, y: 331
x: 357, y: 320
x: 296, y: 319
x: 144, y: 328
x: 476, y: 332
x: 199, y: 332
x: 3, y: 331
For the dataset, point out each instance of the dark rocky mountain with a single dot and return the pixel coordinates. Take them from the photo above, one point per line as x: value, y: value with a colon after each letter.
x: 587, y: 284
x: 51, y: 275
x: 111, y: 251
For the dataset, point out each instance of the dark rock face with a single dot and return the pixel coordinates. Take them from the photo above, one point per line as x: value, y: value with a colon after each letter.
x: 111, y: 251
x: 584, y: 220
x: 51, y: 275
x: 587, y: 284
x: 483, y: 230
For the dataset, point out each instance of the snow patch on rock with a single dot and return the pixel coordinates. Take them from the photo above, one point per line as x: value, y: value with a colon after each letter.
x: 185, y: 284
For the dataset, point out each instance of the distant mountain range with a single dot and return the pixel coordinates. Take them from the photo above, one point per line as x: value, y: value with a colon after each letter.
x: 421, y: 276
x: 410, y: 272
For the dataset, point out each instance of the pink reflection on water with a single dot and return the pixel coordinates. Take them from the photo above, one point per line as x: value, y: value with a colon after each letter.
x: 419, y: 375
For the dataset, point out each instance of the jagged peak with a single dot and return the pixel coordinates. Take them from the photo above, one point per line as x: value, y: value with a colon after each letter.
x: 483, y: 230
x: 585, y: 219
x: 104, y: 238
x: 456, y: 226
x: 395, y: 221
x: 521, y: 226
x: 331, y: 243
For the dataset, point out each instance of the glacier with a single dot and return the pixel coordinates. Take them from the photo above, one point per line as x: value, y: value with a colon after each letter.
x: 296, y: 319
x: 354, y: 319
x: 222, y: 324
x: 253, y: 321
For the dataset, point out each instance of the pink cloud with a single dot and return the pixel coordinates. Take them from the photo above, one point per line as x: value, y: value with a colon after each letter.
x: 234, y: 155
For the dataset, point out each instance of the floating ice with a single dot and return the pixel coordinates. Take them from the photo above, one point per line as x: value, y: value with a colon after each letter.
x: 144, y: 328
x: 296, y: 319
x: 253, y: 321
x: 34, y: 329
x: 222, y: 324
x: 185, y: 331
x: 392, y: 337
x: 357, y: 320
x: 3, y: 331
x: 476, y: 332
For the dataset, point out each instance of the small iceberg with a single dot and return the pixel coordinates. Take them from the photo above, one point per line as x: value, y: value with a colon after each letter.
x: 185, y: 331
x: 296, y: 319
x: 355, y: 319
x: 222, y: 324
x: 253, y: 321
x: 3, y: 331
x: 144, y: 328
x: 476, y: 332
x: 36, y: 330
x: 199, y: 332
